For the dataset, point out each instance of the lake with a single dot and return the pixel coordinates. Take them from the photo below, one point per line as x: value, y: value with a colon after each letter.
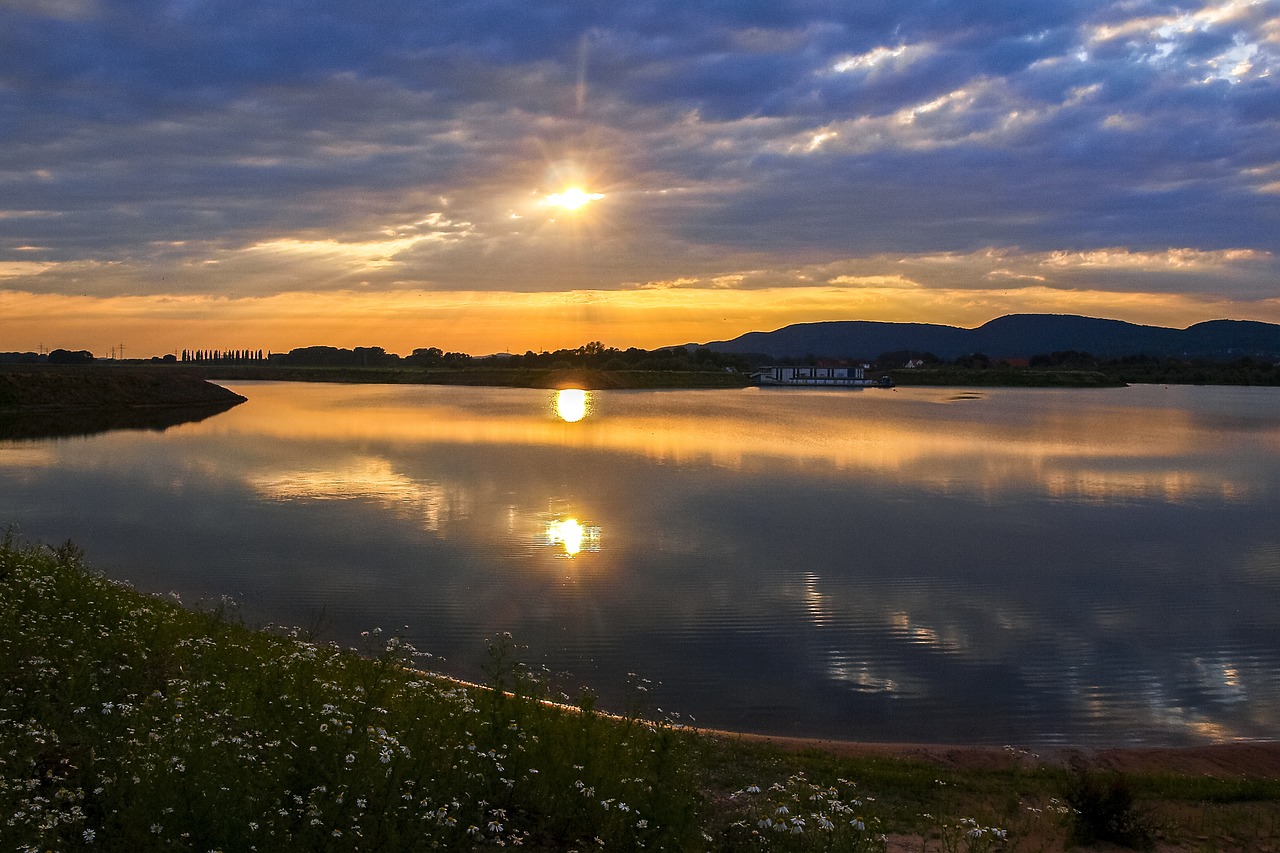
x: 1017, y: 566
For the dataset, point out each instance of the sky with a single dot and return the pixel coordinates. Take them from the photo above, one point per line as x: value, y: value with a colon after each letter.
x: 513, y: 174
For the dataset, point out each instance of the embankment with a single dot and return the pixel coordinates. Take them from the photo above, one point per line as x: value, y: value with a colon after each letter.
x: 53, y: 388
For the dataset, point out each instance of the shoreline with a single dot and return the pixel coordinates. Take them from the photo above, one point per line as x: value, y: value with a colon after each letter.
x: 1236, y: 758
x: 1242, y: 759
x: 1245, y: 759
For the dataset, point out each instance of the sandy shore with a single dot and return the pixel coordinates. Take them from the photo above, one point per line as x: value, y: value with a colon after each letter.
x: 1247, y: 759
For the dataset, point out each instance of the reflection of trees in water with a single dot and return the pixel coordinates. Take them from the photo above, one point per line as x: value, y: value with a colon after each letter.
x: 32, y: 425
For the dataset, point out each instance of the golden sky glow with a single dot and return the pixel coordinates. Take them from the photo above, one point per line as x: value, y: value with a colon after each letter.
x: 482, y: 322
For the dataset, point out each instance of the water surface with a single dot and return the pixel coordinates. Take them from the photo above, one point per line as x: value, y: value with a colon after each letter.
x: 994, y: 566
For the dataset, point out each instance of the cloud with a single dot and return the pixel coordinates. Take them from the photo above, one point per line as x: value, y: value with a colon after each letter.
x: 208, y: 148
x: 12, y: 269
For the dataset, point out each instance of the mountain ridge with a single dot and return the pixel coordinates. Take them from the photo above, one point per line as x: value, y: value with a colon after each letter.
x: 1012, y: 336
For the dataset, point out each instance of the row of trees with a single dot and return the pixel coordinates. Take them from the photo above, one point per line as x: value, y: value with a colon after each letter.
x: 337, y: 357
x: 226, y: 356
x: 369, y: 357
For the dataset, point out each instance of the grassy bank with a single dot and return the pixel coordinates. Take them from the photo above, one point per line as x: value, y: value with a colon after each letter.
x: 130, y: 723
x: 59, y: 388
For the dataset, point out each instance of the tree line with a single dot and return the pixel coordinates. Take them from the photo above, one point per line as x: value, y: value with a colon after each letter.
x: 593, y: 355
x: 600, y: 357
x: 226, y: 356
x: 1138, y: 369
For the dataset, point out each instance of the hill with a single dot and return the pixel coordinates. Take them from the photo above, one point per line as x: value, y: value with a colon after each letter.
x: 1013, y: 336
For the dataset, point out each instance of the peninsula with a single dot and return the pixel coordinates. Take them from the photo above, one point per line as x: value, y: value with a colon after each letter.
x: 56, y: 388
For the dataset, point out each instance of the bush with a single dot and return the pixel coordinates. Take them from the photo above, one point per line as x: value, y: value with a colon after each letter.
x: 1103, y: 809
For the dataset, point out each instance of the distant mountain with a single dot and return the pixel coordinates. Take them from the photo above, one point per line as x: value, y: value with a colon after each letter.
x: 1013, y: 336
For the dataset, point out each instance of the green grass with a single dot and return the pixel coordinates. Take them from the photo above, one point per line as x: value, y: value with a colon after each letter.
x: 128, y: 722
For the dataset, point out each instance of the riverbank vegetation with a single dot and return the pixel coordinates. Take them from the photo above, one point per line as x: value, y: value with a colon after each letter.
x: 128, y: 722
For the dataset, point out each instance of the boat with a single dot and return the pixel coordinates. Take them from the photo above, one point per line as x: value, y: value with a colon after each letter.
x: 821, y: 377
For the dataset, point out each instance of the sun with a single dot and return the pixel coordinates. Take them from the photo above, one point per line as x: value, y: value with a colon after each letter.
x: 572, y: 198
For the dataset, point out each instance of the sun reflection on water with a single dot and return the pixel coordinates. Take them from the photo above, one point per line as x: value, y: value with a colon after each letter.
x: 574, y: 536
x: 572, y: 405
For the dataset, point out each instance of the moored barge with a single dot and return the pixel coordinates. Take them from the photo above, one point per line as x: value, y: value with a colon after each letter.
x: 830, y: 377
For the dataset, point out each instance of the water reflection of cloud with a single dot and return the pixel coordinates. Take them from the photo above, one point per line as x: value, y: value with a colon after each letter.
x: 865, y: 676
x: 1222, y: 679
x: 19, y: 456
x: 909, y: 645
x: 950, y: 640
x: 819, y: 611
x: 1145, y: 703
x: 365, y: 478
x: 1185, y: 698
x: 1176, y: 486
x: 847, y: 668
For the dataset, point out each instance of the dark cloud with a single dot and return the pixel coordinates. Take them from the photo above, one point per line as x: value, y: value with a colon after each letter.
x: 810, y: 130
